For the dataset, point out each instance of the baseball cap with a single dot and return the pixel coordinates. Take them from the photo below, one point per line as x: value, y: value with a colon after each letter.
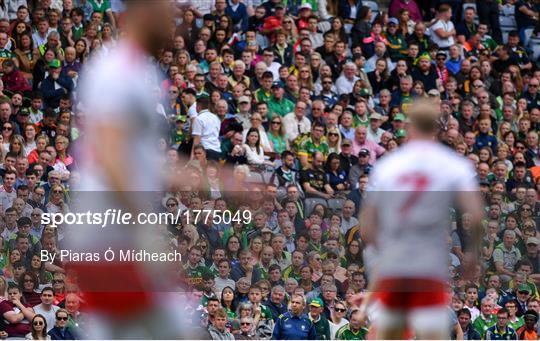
x: 434, y: 93
x: 533, y: 240
x: 304, y: 6
x: 243, y: 99
x: 399, y: 117
x: 346, y: 142
x: 55, y: 64
x: 316, y: 302
x: 524, y: 287
x: 441, y: 54
x: 277, y: 85
x: 363, y: 152
x: 393, y: 21
x: 401, y: 133
x: 279, y: 5
x: 23, y: 112
x: 376, y: 116
x: 208, y: 16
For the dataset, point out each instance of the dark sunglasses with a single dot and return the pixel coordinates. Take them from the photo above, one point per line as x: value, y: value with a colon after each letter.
x: 55, y: 281
x: 276, y: 122
x: 38, y: 323
x: 171, y: 205
x: 58, y: 318
x: 245, y: 323
x: 7, y: 128
x: 333, y: 134
x: 338, y: 310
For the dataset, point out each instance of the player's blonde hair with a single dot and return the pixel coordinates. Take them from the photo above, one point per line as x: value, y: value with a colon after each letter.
x: 424, y: 115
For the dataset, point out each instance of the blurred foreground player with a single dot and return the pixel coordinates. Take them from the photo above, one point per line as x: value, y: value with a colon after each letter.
x: 121, y: 172
x: 406, y: 219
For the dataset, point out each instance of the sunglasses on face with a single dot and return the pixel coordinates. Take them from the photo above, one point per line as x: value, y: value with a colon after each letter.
x: 58, y: 318
x: 38, y: 323
x: 338, y: 310
x: 245, y: 323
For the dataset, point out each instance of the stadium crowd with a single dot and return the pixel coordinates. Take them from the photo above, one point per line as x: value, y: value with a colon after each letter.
x: 282, y: 109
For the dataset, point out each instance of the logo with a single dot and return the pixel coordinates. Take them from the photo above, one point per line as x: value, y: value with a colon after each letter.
x: 303, y: 327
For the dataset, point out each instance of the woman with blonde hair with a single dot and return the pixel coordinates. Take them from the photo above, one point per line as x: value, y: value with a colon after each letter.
x: 289, y: 27
x: 256, y: 247
x: 190, y: 232
x: 182, y: 59
x: 256, y: 123
x: 42, y: 141
x: 276, y: 134
x: 57, y: 200
x: 333, y: 138
x: 16, y: 145
x: 305, y: 79
x: 61, y: 143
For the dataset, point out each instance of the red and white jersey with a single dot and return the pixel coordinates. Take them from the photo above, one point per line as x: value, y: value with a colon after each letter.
x: 413, y: 190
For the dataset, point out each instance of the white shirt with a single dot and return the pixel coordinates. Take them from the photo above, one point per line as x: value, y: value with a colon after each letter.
x: 418, y: 184
x: 375, y: 136
x: 207, y: 126
x: 254, y: 157
x: 344, y: 85
x: 447, y: 27
x: 293, y: 127
x: 115, y: 91
x: 274, y: 68
x: 192, y: 110
x: 50, y: 315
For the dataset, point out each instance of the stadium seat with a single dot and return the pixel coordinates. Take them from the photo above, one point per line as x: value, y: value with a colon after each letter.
x: 528, y: 34
x: 336, y: 205
x: 508, y: 21
x: 255, y: 177
x: 311, y: 202
x: 266, y: 177
x: 374, y: 8
x: 534, y: 45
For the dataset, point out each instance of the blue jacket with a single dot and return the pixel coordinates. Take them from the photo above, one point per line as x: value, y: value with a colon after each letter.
x: 58, y: 334
x: 51, y: 95
x: 289, y: 327
x: 239, y: 17
x: 344, y: 8
x: 486, y: 140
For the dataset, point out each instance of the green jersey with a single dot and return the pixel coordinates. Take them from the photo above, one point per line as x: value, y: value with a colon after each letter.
x: 6, y: 54
x: 195, y: 275
x: 481, y: 325
x: 308, y: 147
x: 101, y: 6
x: 345, y: 333
x: 281, y: 108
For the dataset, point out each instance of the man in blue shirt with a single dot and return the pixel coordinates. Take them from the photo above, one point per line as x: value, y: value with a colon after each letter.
x: 294, y: 324
x: 501, y: 330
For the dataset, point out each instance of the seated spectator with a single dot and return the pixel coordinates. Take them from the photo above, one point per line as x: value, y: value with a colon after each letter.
x: 17, y: 315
